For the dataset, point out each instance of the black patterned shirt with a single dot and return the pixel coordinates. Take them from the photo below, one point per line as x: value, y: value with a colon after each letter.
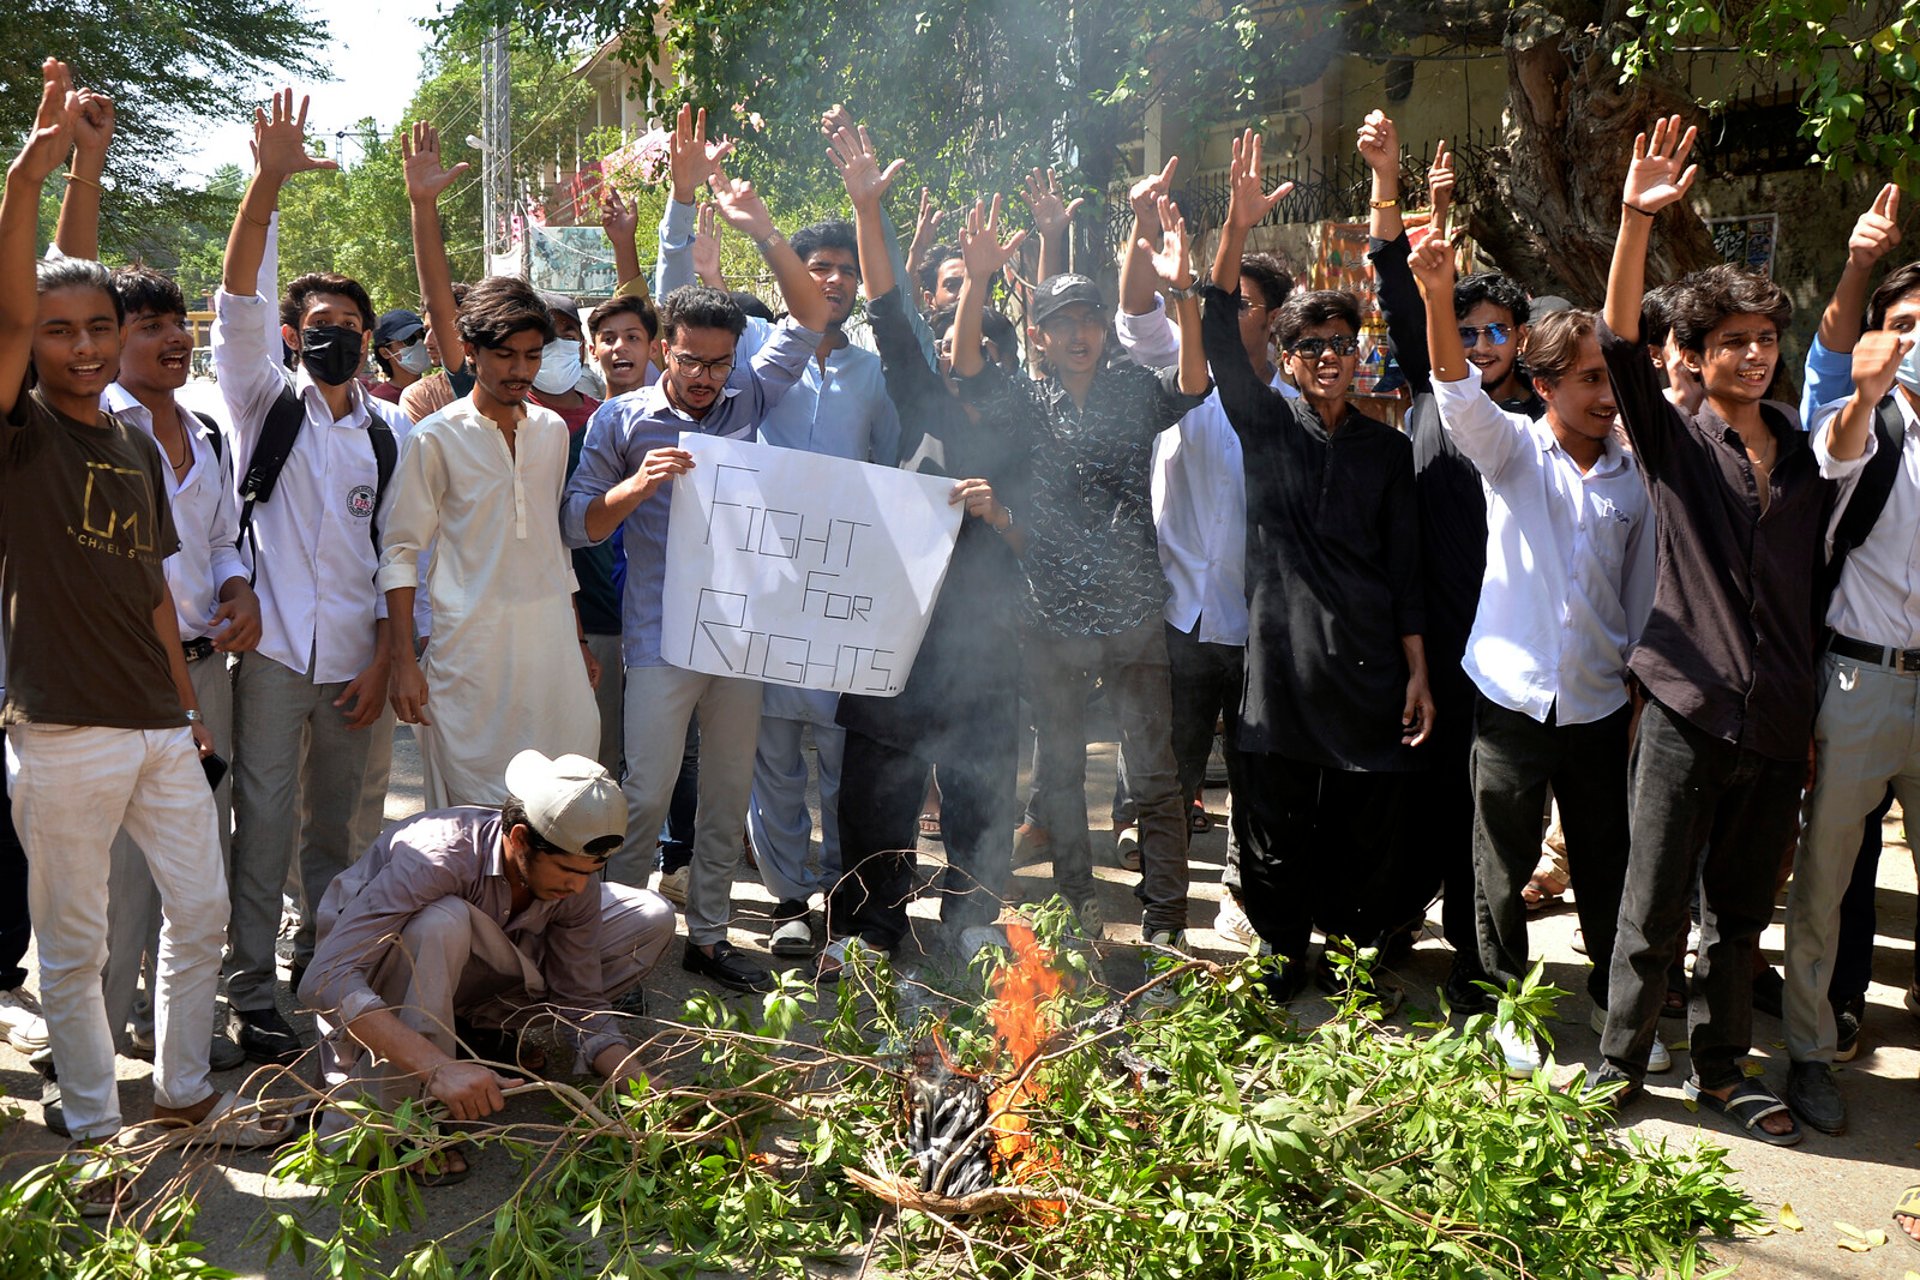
x: 1092, y: 557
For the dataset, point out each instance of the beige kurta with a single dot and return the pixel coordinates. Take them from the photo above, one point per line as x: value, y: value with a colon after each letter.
x: 504, y: 667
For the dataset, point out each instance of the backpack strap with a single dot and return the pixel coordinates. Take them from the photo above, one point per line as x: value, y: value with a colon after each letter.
x: 1870, y: 494
x: 216, y: 438
x: 386, y: 455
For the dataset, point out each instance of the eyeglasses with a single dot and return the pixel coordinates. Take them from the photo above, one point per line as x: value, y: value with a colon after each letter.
x: 694, y: 368
x: 1245, y: 304
x: 1496, y: 334
x: 1314, y: 348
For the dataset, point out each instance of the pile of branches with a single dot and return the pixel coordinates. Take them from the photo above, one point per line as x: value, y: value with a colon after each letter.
x: 1210, y: 1137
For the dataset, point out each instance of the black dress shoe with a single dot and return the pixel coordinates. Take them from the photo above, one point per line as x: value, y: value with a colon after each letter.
x: 1460, y: 990
x: 52, y: 1114
x: 264, y: 1036
x: 1815, y: 1098
x: 726, y: 966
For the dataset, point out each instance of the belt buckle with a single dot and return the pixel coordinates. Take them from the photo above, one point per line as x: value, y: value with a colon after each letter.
x: 1905, y: 660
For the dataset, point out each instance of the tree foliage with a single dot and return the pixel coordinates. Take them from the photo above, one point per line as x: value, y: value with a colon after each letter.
x: 167, y: 65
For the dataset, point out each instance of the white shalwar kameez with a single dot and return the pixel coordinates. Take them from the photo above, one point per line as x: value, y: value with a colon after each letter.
x: 504, y: 666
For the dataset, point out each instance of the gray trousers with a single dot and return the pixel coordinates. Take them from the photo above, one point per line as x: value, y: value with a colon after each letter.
x: 1134, y: 667
x: 659, y: 702
x: 1867, y: 735
x: 452, y: 960
x: 133, y: 901
x: 290, y: 744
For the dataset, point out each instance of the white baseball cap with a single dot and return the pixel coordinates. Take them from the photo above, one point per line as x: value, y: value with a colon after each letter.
x: 571, y: 801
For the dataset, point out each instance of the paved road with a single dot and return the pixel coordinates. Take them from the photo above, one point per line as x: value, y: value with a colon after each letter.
x: 1852, y: 1179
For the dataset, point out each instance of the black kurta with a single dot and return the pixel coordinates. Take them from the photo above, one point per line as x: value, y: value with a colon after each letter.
x: 1333, y: 569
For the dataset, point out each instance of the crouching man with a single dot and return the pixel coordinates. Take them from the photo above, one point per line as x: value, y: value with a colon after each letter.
x: 495, y: 916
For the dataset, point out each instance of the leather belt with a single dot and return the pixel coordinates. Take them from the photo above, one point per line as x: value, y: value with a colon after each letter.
x: 197, y: 648
x: 1879, y: 655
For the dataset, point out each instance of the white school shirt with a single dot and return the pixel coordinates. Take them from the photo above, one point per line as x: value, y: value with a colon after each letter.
x: 203, y: 513
x: 315, y: 557
x: 1199, y: 495
x: 1570, y: 563
x: 1878, y: 596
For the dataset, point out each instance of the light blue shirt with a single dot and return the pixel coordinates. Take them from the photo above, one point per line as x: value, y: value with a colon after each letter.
x: 619, y: 436
x: 1829, y: 377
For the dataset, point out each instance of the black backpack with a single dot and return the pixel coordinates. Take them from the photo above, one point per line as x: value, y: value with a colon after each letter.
x: 285, y: 417
x: 211, y: 430
x: 1869, y: 495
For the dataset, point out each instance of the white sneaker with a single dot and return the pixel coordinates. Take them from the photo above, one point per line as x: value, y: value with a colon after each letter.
x: 1126, y: 847
x: 24, y: 1021
x: 1519, y: 1051
x: 673, y: 886
x: 1659, y: 1058
x: 1231, y: 922
x: 1091, y: 918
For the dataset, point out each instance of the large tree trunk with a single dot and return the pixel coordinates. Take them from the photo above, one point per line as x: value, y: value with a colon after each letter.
x: 1546, y: 200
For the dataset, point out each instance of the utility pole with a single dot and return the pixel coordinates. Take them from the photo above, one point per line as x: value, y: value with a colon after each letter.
x: 496, y: 131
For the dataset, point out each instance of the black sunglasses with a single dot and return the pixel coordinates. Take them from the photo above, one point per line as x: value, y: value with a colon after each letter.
x: 1314, y: 348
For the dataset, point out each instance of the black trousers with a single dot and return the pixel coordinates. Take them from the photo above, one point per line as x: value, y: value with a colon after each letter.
x: 881, y: 788
x: 1693, y: 790
x: 1317, y: 842
x: 1515, y: 759
x: 1437, y: 852
x: 16, y: 927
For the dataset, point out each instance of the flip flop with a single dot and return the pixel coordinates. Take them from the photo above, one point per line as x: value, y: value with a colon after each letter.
x: 237, y: 1124
x: 98, y: 1168
x: 1199, y: 821
x: 1750, y: 1103
x: 1907, y: 1206
x: 1540, y: 892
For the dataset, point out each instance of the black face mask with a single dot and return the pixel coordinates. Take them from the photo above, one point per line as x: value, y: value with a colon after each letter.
x: 331, y: 353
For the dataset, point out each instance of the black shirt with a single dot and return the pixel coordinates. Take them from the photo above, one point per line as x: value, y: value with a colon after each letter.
x: 1730, y: 645
x: 1092, y: 555
x: 1333, y: 569
x: 965, y: 679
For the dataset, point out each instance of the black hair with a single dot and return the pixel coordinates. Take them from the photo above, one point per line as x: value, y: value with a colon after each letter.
x: 930, y: 269
x: 751, y: 304
x: 1706, y: 298
x: 1490, y: 286
x: 1656, y: 315
x: 994, y: 327
x: 78, y: 273
x: 835, y: 233
x: 627, y: 304
x: 1898, y: 284
x: 146, y: 292
x: 1554, y: 344
x: 1267, y: 271
x: 293, y: 305
x: 501, y: 306
x: 699, y: 306
x: 1315, y: 306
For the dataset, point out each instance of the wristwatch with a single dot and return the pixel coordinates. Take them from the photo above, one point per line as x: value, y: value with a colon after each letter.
x: 1181, y: 295
x: 193, y: 717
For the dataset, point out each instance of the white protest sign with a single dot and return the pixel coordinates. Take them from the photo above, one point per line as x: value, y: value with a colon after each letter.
x: 799, y: 569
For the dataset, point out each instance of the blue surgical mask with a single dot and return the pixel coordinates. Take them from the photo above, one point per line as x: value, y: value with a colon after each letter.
x: 559, y: 367
x: 414, y: 359
x: 1908, y: 374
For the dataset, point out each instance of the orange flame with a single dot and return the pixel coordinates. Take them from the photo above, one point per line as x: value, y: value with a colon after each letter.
x: 1020, y: 992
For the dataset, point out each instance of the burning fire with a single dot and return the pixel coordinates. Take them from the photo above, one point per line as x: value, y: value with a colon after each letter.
x: 1020, y: 991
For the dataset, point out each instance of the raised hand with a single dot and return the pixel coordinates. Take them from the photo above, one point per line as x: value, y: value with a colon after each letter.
x: 1877, y: 231
x: 1433, y: 267
x: 866, y: 182
x: 1660, y: 175
x: 980, y: 245
x: 1440, y: 186
x: 280, y: 138
x: 1249, y: 203
x: 742, y: 206
x: 92, y: 123
x: 835, y: 118
x: 925, y: 227
x: 1172, y: 265
x: 693, y: 160
x: 1051, y: 212
x: 426, y: 175
x: 1876, y: 359
x: 50, y: 142
x: 1378, y: 141
x: 618, y: 218
x: 706, y: 245
x: 1145, y: 194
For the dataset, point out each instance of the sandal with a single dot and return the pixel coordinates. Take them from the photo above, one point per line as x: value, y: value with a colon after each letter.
x: 237, y: 1123
x: 930, y: 827
x: 425, y: 1163
x: 1544, y: 889
x: 1199, y: 821
x: 1907, y: 1206
x: 1750, y: 1103
x: 102, y: 1182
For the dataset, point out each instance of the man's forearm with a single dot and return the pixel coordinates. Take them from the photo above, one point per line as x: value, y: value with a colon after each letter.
x: 381, y: 1031
x: 1226, y: 259
x: 399, y: 636
x: 166, y: 625
x: 805, y: 303
x: 1193, y: 347
x: 78, y: 233
x: 247, y: 242
x: 968, y: 328
x: 1136, y: 275
x: 1627, y: 277
x: 1840, y: 322
x: 436, y: 282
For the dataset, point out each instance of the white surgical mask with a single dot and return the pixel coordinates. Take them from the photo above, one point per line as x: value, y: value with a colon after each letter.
x: 1908, y: 374
x: 414, y: 359
x: 559, y: 367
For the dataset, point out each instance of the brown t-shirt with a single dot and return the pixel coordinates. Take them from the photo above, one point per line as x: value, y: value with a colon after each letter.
x: 85, y: 525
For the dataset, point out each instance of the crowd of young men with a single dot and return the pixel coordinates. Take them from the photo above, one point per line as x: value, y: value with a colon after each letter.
x: 1596, y: 565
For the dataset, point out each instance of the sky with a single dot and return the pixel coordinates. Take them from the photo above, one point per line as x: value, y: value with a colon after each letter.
x: 376, y: 65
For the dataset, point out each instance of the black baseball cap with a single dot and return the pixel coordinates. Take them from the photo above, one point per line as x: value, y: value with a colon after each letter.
x: 397, y: 325
x: 1057, y: 293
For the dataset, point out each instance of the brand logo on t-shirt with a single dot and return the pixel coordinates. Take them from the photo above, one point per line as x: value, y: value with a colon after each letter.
x: 118, y: 510
x: 360, y: 502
